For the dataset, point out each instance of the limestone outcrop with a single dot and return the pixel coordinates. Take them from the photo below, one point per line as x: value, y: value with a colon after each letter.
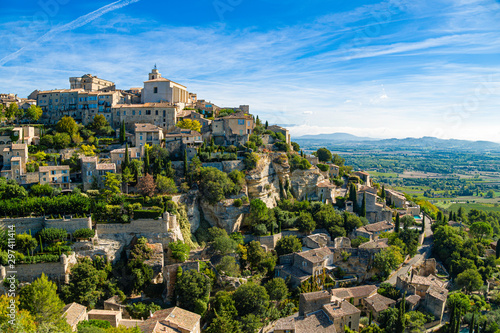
x: 304, y: 182
x: 263, y: 182
x: 224, y: 214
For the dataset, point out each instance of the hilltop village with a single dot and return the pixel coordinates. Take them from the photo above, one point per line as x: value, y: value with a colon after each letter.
x: 150, y: 210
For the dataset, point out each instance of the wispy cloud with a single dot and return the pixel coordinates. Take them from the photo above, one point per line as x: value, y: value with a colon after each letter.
x: 77, y: 23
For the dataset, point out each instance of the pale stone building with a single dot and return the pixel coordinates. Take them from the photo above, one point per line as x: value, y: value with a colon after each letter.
x: 92, y: 103
x: 282, y: 130
x: 161, y: 90
x: 180, y: 139
x: 147, y: 134
x: 55, y: 176
x: 74, y: 313
x: 59, y: 103
x: 163, y: 115
x: 14, y: 157
x: 94, y: 172
x: 374, y: 230
x: 90, y: 82
x: 118, y: 155
x: 233, y: 129
x: 172, y: 320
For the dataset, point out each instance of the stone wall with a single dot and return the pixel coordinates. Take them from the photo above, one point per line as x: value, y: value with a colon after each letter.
x: 57, y: 271
x: 70, y: 225
x: 35, y: 224
x: 170, y: 275
x: 270, y: 241
x: 140, y: 226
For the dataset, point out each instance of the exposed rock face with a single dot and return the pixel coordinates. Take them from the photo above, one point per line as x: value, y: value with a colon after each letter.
x: 192, y: 203
x: 224, y: 214
x: 304, y: 182
x: 263, y: 182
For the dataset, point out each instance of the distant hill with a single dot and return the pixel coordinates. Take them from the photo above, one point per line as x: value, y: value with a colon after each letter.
x: 334, y: 137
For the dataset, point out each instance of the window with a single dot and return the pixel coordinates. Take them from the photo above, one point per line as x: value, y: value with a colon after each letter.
x: 45, y: 179
x: 137, y: 154
x: 155, y: 90
x: 121, y: 155
x: 241, y: 121
x: 148, y: 112
x: 65, y: 171
x: 117, y: 113
x: 133, y: 112
x: 124, y: 113
x: 241, y: 132
x: 140, y: 112
x: 249, y: 123
x: 164, y: 113
x: 140, y: 138
x: 156, y: 112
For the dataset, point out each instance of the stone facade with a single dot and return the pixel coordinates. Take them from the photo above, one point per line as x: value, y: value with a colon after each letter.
x: 147, y: 134
x: 94, y: 172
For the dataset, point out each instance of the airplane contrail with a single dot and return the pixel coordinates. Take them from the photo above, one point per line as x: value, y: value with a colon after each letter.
x: 81, y: 21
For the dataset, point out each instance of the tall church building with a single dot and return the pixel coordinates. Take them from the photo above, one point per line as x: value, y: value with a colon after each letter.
x: 160, y: 90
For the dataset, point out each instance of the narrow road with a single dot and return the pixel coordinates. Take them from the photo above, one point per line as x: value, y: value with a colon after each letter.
x: 424, y: 252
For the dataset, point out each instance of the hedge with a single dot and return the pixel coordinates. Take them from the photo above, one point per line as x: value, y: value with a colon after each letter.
x: 66, y: 204
x: 84, y: 233
x: 40, y: 258
x: 147, y: 214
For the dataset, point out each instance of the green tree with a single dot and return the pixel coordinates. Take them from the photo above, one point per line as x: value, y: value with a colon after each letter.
x: 147, y: 168
x: 146, y: 185
x: 288, y: 244
x: 250, y: 323
x: 34, y: 113
x: 397, y: 227
x: 123, y: 137
x: 324, y: 155
x: 24, y: 323
x: 190, y: 287
x: 490, y: 194
x: 296, y: 146
x: 223, y: 324
x: 305, y: 222
x: 62, y: 140
x: 251, y: 160
x: 126, y: 158
x: 363, y: 205
x: 100, y: 125
x: 388, y: 259
x: 127, y: 178
x: 401, y: 319
x: 165, y: 185
x: 470, y: 280
x: 224, y: 244
x: 193, y: 125
x: 112, y: 184
x: 407, y: 221
x: 26, y: 242
x: 498, y: 249
x: 180, y: 250
x: 40, y: 298
x: 229, y: 266
x: 481, y: 230
x: 277, y: 289
x: 251, y: 298
x: 67, y: 125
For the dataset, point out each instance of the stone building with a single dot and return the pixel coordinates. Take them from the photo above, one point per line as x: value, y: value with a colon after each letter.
x: 147, y: 134
x: 94, y: 172
x: 364, y: 176
x: 172, y: 320
x: 320, y: 312
x: 326, y: 191
x: 373, y: 231
x: 233, y: 129
x: 194, y: 115
x: 282, y: 130
x: 90, y: 82
x: 395, y: 198
x: 376, y: 209
x: 162, y: 114
x: 55, y: 176
x: 178, y: 140
x: 303, y: 265
x: 159, y: 90
x: 377, y: 303
x: 93, y: 103
x: 14, y: 158
x: 423, y: 282
x: 59, y: 103
x: 74, y: 313
x: 118, y: 155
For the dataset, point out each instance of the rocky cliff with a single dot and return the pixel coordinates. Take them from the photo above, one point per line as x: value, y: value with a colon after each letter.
x: 224, y: 214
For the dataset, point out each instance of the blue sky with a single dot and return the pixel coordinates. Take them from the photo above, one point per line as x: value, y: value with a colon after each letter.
x: 384, y: 69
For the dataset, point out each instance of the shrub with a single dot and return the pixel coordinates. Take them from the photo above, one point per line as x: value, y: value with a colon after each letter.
x: 237, y: 203
x: 323, y: 167
x: 84, y: 233
x: 147, y: 214
x: 251, y: 161
x: 51, y: 235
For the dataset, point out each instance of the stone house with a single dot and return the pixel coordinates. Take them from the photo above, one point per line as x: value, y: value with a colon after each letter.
x: 364, y: 176
x: 376, y: 209
x: 326, y: 191
x: 159, y: 89
x: 14, y: 158
x: 233, y: 129
x: 74, y: 313
x: 118, y: 155
x: 424, y: 283
x: 194, y: 115
x: 282, y: 130
x: 396, y: 198
x: 179, y: 139
x: 90, y: 82
x: 94, y: 172
x: 163, y: 115
x: 373, y: 231
x: 147, y: 134
x: 26, y: 134
x: 55, y: 176
x: 354, y: 295
x: 59, y: 103
x: 377, y: 303
x: 172, y: 320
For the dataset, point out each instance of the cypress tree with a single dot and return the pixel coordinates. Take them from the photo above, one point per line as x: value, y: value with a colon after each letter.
x: 498, y: 248
x: 122, y: 133
x: 363, y: 205
x: 126, y: 159
x: 459, y: 320
x: 370, y: 319
x: 186, y: 163
x: 267, y: 124
x: 146, y: 160
x: 401, y: 320
x: 423, y: 224
x: 472, y: 323
x: 397, y: 223
x: 450, y: 216
x: 382, y: 194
